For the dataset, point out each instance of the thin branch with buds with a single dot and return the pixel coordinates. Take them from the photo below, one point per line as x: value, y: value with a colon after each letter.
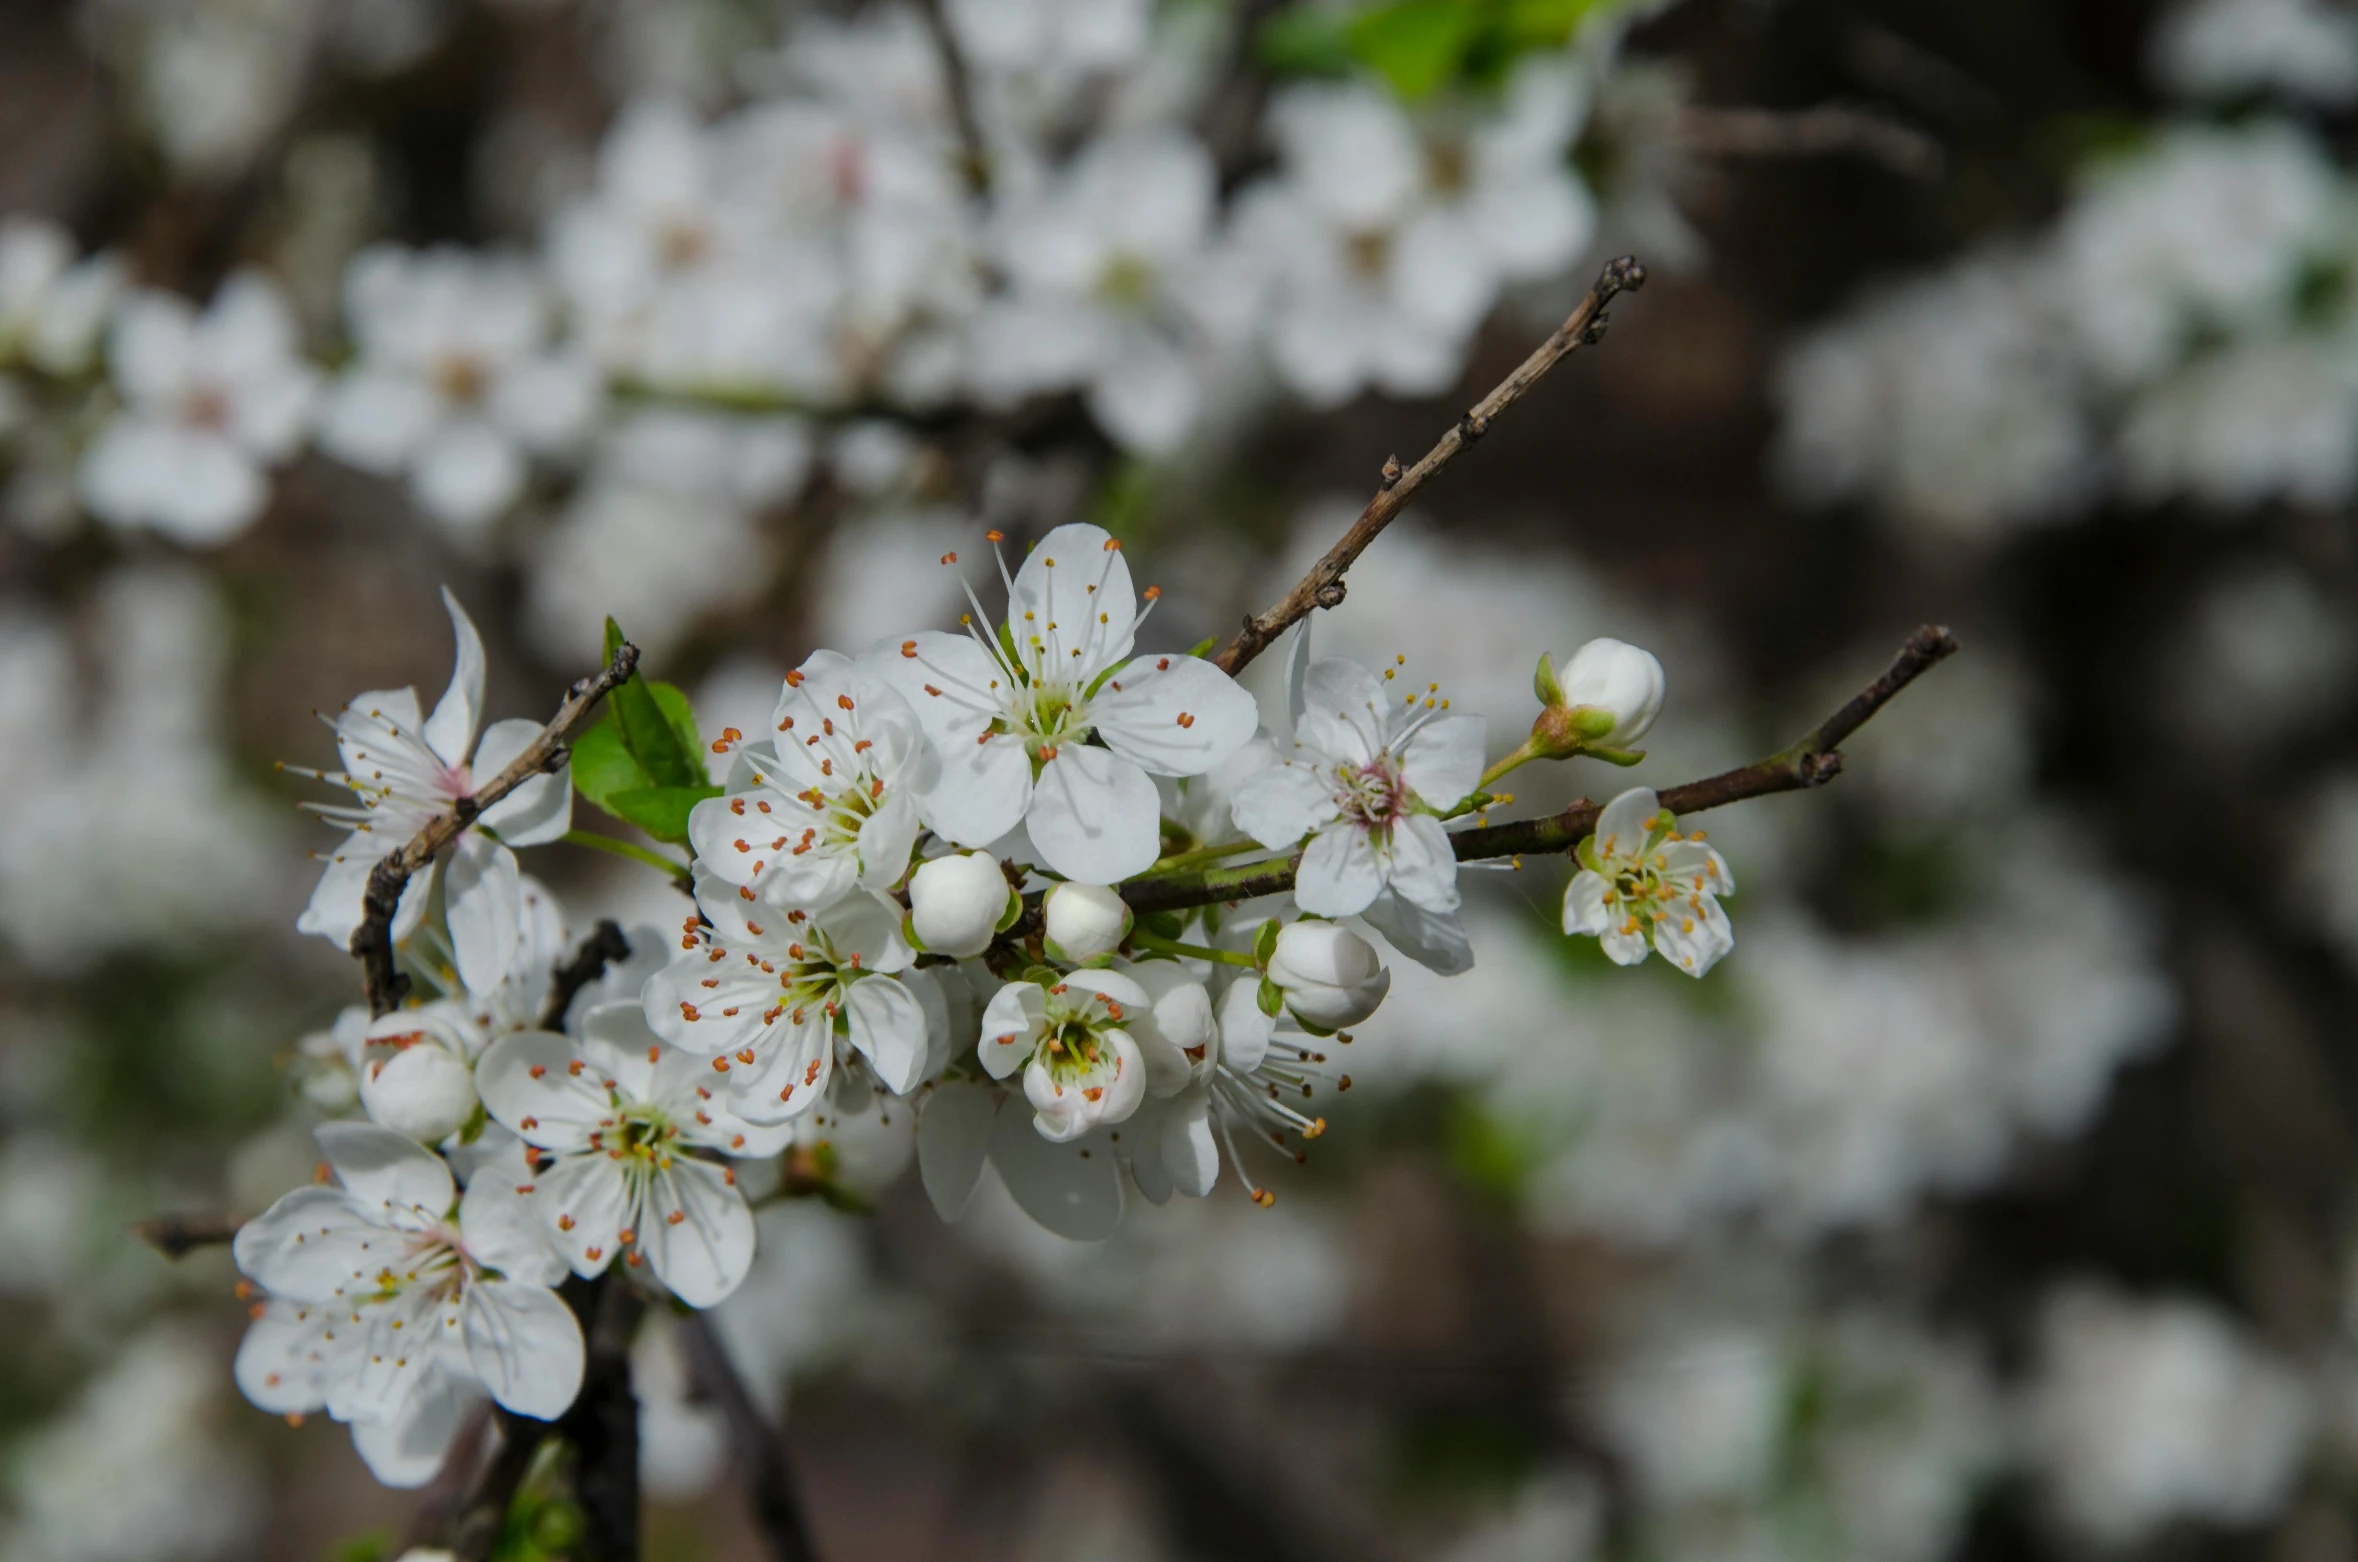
x: 1813, y: 761
x: 372, y: 941
x: 604, y: 947
x: 1323, y: 586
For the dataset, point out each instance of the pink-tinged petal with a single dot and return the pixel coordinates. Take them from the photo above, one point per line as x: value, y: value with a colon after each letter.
x: 386, y: 1172
x: 1442, y: 761
x: 484, y: 902
x: 699, y: 1234
x: 1174, y: 715
x: 1423, y: 868
x: 952, y: 684
x: 500, y: 1227
x: 1344, y: 711
x: 1095, y: 816
x: 1621, y: 828
x: 585, y: 1205
x: 408, y: 1449
x: 524, y: 1346
x: 1341, y: 872
x: 309, y: 1245
x: 1075, y: 587
x: 1189, y: 1153
x: 1433, y: 939
x: 888, y: 1028
x: 450, y: 731
x: 983, y: 790
x: 538, y: 811
x: 1282, y: 804
x: 1072, y: 1189
x: 953, y: 1138
x: 540, y: 1090
x: 1011, y: 1024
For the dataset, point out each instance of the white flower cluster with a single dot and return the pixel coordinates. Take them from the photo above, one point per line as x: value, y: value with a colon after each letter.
x: 915, y: 882
x: 2184, y: 331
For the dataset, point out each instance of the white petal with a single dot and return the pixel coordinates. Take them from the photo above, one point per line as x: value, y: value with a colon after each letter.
x: 1280, y: 805
x: 1343, y: 710
x: 524, y: 1344
x: 1244, y: 1030
x: 484, y: 900
x: 1011, y: 1023
x: 501, y: 1229
x: 1174, y: 715
x: 1433, y: 939
x: 538, y: 811
x: 1423, y: 867
x: 1443, y: 760
x: 1341, y: 872
x: 1095, y: 816
x: 1621, y: 828
x: 584, y: 1205
x: 383, y: 1170
x: 1076, y: 585
x: 699, y: 1234
x: 450, y: 731
x: 466, y: 476
x: 953, y: 1136
x: 376, y: 420
x: 886, y: 839
x: 151, y: 345
x: 1072, y: 1189
x: 282, y: 1360
x: 527, y: 1081
x: 308, y: 1245
x: 408, y: 1450
x: 1189, y: 1154
x: 983, y: 791
x: 888, y: 1027
x: 952, y: 684
x: 1584, y: 904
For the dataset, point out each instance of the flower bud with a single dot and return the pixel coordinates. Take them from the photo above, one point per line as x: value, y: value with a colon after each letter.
x: 1330, y: 976
x: 1614, y: 690
x: 1084, y: 922
x: 424, y: 1090
x: 956, y: 903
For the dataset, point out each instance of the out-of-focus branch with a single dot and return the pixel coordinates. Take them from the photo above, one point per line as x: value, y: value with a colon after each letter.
x: 755, y: 1446
x: 1828, y: 130
x: 605, y: 946
x: 603, y: 1423
x: 1813, y: 761
x: 974, y: 155
x: 474, y: 1535
x: 1323, y: 586
x: 372, y: 941
x: 177, y: 1236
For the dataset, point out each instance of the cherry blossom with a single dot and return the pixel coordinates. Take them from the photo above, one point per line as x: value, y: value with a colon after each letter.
x: 1013, y: 717
x: 393, y: 1310
x: 1642, y: 886
x: 405, y: 771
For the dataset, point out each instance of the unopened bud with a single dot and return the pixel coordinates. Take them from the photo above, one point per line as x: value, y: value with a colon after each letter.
x: 956, y: 903
x: 1330, y: 976
x: 425, y: 1092
x: 1605, y: 699
x: 1084, y: 922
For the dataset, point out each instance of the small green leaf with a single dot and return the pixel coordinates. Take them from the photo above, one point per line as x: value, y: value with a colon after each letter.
x: 658, y: 727
x: 1416, y: 45
x: 602, y: 766
x: 661, y: 811
x: 1204, y: 646
x: 1306, y: 40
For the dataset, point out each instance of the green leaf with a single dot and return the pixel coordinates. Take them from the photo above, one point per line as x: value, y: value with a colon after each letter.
x: 602, y: 766
x: 1306, y: 40
x: 1417, y: 45
x: 659, y: 730
x: 661, y: 811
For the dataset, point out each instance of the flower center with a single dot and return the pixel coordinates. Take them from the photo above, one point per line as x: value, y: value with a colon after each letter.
x: 1368, y: 252
x: 1127, y: 282
x: 461, y: 379
x: 1372, y: 796
x: 205, y: 407
x: 1448, y: 167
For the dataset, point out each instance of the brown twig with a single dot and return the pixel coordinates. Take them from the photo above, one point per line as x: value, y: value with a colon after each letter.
x: 372, y: 941
x: 603, y: 1424
x: 1829, y: 129
x: 475, y: 1535
x: 1813, y: 761
x: 755, y: 1446
x: 605, y: 946
x: 177, y: 1236
x: 974, y: 155
x: 1323, y: 586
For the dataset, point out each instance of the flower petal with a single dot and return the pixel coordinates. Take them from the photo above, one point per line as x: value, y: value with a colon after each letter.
x: 953, y: 1137
x: 888, y: 1027
x: 1423, y: 866
x: 1433, y: 939
x: 527, y: 1081
x: 500, y: 1227
x: 1341, y: 872
x: 283, y: 1361
x: 1621, y: 828
x: 540, y: 810
x: 982, y: 792
x: 1584, y: 905
x: 699, y: 1234
x: 1095, y: 816
x: 1190, y: 1156
x: 484, y: 902
x: 1073, y: 595
x: 1011, y: 1024
x: 584, y: 1203
x: 1072, y: 1189
x: 383, y: 1170
x: 1282, y: 804
x: 1174, y: 715
x: 309, y: 1245
x: 1442, y: 760
x: 524, y: 1344
x: 450, y: 731
x: 954, y: 685
x: 408, y: 1449
x: 1343, y: 710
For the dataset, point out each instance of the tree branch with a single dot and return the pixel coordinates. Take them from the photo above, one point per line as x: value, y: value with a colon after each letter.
x: 372, y: 941
x: 1830, y: 129
x: 177, y: 1236
x: 1813, y: 761
x: 1323, y: 586
x: 605, y: 946
x: 974, y: 154
x: 603, y: 1423
x: 755, y: 1446
x: 475, y: 1534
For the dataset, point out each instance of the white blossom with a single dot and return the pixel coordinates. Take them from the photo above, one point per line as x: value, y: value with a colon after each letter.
x: 1330, y: 976
x: 1617, y: 680
x: 53, y: 308
x: 1083, y: 922
x: 1086, y: 1045
x: 211, y: 402
x: 1012, y: 717
x: 392, y: 1302
x: 1642, y: 886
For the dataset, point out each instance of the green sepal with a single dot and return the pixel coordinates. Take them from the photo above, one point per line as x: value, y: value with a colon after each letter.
x: 1313, y: 1028
x: 472, y: 1129
x: 1204, y: 646
x: 1265, y: 946
x: 1592, y: 721
x: 661, y: 811
x: 1271, y: 998
x: 1170, y: 925
x: 1014, y: 912
x: 1624, y: 757
x: 909, y: 932
x: 1586, y: 851
x: 1544, y: 684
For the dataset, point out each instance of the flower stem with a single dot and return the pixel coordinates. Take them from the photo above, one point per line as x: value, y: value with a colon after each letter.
x: 1180, y: 861
x: 607, y: 843
x: 1521, y: 756
x: 1172, y: 946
